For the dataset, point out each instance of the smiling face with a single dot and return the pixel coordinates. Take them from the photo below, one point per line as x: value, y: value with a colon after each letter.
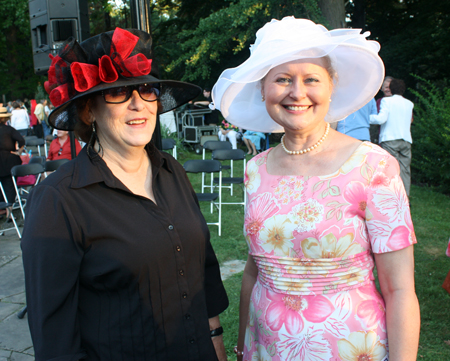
x: 297, y: 94
x: 125, y: 126
x: 385, y: 88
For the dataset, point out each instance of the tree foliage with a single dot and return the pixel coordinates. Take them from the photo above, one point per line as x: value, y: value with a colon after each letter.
x: 17, y: 78
x: 221, y: 39
x: 431, y: 135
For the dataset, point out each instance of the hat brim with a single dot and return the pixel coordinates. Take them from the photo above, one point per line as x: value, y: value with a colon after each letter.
x: 173, y: 94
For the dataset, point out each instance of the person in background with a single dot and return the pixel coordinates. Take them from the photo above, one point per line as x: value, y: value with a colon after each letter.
x: 322, y: 208
x: 60, y: 146
x: 357, y: 124
x: 117, y: 254
x: 20, y: 119
x: 253, y: 141
x: 213, y: 117
x: 230, y: 132
x: 45, y: 124
x: 386, y: 91
x: 39, y: 111
x: 33, y: 118
x: 395, y: 118
x: 12, y: 144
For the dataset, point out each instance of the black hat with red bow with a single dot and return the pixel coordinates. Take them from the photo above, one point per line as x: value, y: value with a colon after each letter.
x: 112, y: 59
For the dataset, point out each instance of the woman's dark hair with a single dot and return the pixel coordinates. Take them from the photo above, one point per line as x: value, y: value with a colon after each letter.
x: 15, y: 105
x: 397, y: 86
x: 83, y: 127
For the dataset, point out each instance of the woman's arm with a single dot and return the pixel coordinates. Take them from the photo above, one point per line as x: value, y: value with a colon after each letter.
x: 248, y: 281
x: 214, y: 323
x: 396, y: 276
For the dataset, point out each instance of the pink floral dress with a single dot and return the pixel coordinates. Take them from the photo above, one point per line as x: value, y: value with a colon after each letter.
x: 313, y: 239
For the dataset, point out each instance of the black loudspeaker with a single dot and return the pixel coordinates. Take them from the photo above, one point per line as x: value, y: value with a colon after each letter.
x: 52, y: 22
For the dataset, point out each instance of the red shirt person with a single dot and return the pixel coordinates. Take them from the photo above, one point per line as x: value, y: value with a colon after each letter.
x: 60, y: 146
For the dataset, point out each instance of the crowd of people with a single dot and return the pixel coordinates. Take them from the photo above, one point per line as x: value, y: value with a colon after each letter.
x: 324, y: 207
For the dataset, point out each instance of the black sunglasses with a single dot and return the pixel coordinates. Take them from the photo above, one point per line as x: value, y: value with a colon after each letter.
x: 147, y: 92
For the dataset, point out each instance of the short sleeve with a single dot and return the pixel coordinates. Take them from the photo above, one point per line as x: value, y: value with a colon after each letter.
x: 216, y: 296
x: 52, y: 259
x: 388, y: 216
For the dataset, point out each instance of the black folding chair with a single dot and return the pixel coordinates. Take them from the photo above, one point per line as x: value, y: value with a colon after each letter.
x: 213, y: 145
x: 37, y: 159
x: 168, y: 144
x: 37, y: 142
x: 215, y: 198
x: 52, y: 165
x: 4, y: 205
x: 232, y: 155
x: 23, y: 190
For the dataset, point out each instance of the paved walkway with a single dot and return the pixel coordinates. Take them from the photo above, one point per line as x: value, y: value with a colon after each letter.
x: 15, y: 339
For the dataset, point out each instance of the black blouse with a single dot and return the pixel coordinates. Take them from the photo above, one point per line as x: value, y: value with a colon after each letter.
x: 112, y: 276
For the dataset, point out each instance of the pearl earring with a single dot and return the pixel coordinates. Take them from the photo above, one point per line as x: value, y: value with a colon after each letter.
x: 262, y: 98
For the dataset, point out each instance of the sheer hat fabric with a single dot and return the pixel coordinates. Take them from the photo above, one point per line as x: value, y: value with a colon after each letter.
x: 359, y: 71
x: 118, y: 58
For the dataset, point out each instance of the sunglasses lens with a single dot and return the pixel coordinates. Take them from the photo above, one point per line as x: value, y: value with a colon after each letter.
x: 117, y: 95
x: 149, y: 92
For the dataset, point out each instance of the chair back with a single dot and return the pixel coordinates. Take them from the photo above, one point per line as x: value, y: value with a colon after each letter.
x: 34, y: 141
x: 202, y: 166
x: 228, y: 154
x: 37, y: 159
x: 27, y: 169
x: 29, y: 137
x: 52, y: 165
x: 168, y: 143
x: 216, y: 144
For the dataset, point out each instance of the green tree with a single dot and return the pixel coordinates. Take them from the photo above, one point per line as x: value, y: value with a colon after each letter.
x: 17, y: 79
x: 221, y: 39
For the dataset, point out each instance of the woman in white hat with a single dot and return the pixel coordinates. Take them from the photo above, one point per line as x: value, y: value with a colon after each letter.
x: 323, y: 208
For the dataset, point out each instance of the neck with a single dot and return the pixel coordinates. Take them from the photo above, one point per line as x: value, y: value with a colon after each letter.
x: 130, y: 161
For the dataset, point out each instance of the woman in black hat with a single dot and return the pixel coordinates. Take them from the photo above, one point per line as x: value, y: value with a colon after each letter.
x: 118, y: 262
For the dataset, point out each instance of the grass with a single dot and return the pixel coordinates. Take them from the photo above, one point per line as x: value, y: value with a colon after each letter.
x: 429, y: 213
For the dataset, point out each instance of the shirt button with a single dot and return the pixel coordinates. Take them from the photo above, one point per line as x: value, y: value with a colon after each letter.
x: 181, y: 272
x: 188, y: 316
x: 184, y: 295
x: 170, y: 227
x: 192, y: 340
x: 178, y: 248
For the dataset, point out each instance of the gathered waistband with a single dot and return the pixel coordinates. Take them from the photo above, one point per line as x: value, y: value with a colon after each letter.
x: 306, y: 276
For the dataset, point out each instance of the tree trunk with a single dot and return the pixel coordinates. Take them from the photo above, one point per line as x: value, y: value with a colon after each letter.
x: 334, y: 12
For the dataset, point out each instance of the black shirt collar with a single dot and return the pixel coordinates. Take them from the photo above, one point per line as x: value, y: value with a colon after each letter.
x: 91, y: 168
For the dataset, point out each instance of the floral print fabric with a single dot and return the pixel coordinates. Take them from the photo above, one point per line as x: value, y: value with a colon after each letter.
x: 313, y: 239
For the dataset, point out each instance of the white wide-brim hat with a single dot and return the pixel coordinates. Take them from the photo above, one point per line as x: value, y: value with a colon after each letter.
x: 359, y: 71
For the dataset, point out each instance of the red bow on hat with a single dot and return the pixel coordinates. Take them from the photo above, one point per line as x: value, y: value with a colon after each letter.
x: 86, y: 76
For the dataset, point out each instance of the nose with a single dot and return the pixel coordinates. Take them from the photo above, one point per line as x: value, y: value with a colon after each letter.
x: 297, y: 90
x: 136, y: 103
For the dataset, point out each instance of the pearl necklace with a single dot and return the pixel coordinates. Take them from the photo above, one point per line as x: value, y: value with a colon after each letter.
x: 303, y: 151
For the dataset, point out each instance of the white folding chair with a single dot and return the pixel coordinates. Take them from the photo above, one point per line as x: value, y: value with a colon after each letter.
x: 215, y: 198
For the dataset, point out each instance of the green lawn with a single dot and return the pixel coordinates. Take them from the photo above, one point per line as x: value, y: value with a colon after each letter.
x: 429, y: 213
